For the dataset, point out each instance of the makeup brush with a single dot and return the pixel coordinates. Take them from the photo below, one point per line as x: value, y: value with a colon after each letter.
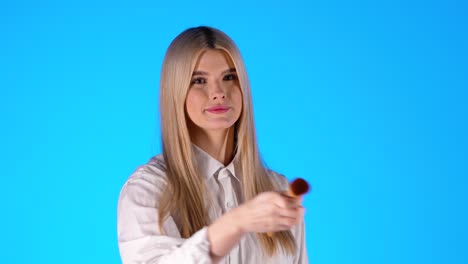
x: 297, y: 188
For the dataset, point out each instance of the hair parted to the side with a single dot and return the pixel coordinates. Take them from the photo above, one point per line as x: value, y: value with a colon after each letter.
x: 184, y: 195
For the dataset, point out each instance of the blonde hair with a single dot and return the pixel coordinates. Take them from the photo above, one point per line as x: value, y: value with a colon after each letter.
x: 185, y: 189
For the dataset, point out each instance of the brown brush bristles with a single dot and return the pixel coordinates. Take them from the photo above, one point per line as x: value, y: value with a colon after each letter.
x: 299, y: 187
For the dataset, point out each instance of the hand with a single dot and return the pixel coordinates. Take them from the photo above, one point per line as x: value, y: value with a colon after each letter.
x: 268, y: 212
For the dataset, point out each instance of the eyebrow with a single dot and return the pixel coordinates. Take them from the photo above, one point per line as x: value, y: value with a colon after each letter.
x: 231, y: 70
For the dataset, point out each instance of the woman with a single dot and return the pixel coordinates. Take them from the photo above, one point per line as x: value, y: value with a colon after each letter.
x: 208, y: 198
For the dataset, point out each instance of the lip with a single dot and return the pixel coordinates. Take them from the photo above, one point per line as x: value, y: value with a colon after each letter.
x: 217, y: 109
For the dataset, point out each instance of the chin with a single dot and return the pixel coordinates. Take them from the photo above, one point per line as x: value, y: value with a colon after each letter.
x: 219, y: 126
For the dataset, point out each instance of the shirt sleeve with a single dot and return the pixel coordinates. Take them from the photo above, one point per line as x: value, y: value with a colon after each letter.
x: 139, y: 237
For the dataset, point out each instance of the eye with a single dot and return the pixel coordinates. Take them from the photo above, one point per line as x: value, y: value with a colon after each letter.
x: 230, y: 77
x: 199, y: 80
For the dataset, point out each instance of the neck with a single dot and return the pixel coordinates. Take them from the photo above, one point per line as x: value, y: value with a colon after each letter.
x: 219, y: 144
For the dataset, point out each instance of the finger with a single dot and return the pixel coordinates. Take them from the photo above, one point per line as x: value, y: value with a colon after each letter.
x: 298, y: 199
x: 287, y: 194
x: 291, y: 221
x: 293, y: 213
x: 293, y: 199
x: 283, y: 201
x: 280, y: 223
x: 271, y: 197
x: 294, y: 202
x: 288, y: 222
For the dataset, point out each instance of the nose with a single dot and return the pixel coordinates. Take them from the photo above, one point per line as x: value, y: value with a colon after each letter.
x: 217, y: 92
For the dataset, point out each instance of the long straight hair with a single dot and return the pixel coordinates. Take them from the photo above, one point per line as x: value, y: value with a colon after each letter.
x: 184, y: 195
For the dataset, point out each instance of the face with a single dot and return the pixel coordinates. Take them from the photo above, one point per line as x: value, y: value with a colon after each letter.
x: 214, y: 99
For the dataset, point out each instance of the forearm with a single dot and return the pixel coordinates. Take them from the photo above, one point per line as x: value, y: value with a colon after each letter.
x: 223, y: 235
x: 267, y: 212
x: 167, y: 250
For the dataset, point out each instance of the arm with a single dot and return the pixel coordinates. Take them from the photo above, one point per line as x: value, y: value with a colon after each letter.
x: 141, y: 241
x: 139, y: 237
x: 267, y: 212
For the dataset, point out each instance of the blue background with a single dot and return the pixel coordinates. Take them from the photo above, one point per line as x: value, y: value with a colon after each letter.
x: 367, y: 100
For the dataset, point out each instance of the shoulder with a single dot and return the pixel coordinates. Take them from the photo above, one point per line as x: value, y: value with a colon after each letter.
x: 279, y: 180
x: 146, y: 183
x: 153, y: 170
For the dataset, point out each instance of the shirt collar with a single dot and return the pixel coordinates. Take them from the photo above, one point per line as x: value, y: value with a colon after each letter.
x: 209, y: 166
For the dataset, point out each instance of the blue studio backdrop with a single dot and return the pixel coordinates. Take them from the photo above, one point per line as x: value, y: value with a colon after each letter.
x: 367, y: 100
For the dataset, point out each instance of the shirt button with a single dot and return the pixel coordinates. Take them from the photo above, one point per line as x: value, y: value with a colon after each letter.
x: 229, y: 205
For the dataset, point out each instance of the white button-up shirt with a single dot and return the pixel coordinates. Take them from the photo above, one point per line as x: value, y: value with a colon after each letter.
x: 141, y: 240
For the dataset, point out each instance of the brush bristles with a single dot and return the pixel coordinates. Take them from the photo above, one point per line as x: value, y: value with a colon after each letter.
x: 299, y: 187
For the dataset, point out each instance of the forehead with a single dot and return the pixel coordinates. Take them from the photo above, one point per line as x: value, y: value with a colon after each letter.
x: 214, y: 60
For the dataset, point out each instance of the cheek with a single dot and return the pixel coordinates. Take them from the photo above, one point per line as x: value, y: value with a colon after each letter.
x: 237, y: 98
x: 193, y: 102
